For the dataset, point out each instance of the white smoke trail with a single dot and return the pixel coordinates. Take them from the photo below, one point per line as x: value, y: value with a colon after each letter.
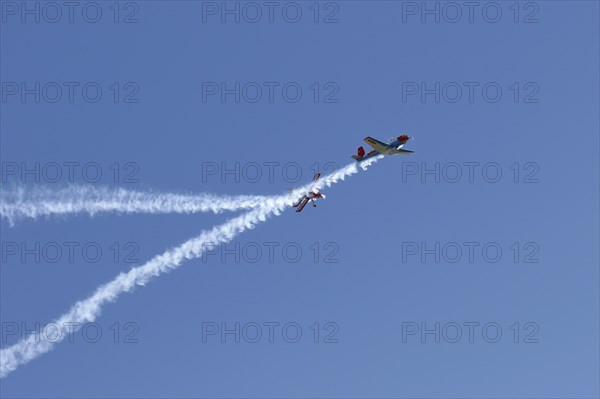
x: 89, y: 309
x: 24, y: 203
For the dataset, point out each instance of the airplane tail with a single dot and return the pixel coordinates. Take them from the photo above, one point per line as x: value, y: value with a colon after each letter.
x: 360, y: 155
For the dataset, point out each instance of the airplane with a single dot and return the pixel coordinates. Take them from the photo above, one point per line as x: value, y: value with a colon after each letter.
x: 392, y: 147
x: 312, y: 194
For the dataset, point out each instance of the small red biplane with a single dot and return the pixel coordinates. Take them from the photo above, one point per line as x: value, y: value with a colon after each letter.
x: 312, y: 195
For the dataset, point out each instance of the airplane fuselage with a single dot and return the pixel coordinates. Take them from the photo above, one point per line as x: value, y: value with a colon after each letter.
x: 385, y: 148
x: 381, y: 148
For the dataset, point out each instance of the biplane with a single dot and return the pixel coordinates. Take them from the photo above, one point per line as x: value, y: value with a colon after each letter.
x: 312, y: 195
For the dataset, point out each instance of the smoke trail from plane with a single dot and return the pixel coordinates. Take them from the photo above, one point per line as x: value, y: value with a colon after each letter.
x: 33, y: 203
x: 87, y: 310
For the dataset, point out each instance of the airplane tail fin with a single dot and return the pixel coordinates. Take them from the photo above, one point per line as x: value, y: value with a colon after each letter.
x: 360, y: 155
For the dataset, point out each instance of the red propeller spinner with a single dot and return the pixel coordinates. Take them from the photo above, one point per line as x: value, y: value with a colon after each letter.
x: 403, y: 138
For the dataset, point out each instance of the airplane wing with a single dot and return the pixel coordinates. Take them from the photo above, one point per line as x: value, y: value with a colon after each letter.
x: 404, y: 152
x: 314, y: 187
x: 302, y: 204
x: 299, y: 201
x: 376, y: 144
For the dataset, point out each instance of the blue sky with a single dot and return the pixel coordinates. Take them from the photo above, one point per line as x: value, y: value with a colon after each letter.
x: 165, y: 129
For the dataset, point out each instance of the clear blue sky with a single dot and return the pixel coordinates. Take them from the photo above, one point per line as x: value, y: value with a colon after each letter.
x: 369, y: 61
